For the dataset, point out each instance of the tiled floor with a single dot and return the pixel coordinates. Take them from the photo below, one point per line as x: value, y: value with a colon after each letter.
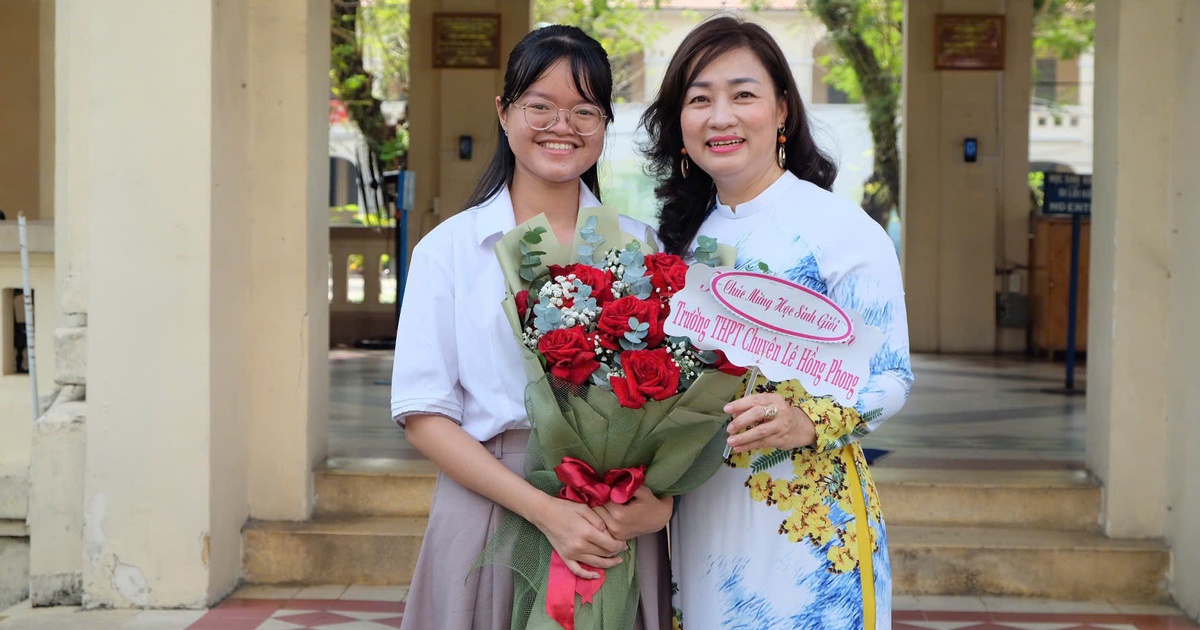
x: 984, y: 413
x: 280, y: 609
x: 361, y: 608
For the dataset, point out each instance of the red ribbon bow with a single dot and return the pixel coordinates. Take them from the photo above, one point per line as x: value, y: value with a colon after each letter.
x: 582, y: 484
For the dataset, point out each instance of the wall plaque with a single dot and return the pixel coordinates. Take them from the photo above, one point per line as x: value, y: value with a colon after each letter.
x: 969, y: 42
x: 466, y: 40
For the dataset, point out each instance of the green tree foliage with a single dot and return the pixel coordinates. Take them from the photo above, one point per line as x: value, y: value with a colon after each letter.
x: 620, y: 25
x: 866, y: 37
x: 1063, y: 29
x: 369, y: 61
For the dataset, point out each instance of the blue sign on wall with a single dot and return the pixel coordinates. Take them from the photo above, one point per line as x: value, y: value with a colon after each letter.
x: 1067, y: 193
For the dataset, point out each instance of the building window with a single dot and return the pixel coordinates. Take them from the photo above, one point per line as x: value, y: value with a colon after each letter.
x: 1056, y: 82
x: 823, y: 92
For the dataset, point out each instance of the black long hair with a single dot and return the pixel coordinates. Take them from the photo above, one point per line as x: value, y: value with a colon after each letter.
x: 529, y: 60
x: 686, y: 202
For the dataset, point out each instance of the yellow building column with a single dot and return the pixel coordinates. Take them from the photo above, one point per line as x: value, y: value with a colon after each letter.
x: 289, y: 240
x: 1143, y: 403
x: 1130, y: 273
x: 1183, y: 346
x: 153, y: 126
x: 963, y: 221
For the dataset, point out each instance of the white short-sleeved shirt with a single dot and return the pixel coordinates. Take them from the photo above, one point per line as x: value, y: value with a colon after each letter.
x: 456, y: 354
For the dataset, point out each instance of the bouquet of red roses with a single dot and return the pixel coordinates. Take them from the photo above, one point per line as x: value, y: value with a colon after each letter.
x: 614, y: 403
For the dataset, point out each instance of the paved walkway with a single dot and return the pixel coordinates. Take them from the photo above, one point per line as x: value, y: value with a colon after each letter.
x: 377, y: 608
x: 964, y: 412
x: 980, y: 413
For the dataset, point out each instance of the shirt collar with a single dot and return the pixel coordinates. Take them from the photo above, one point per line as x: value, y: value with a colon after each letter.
x: 495, y: 216
x: 765, y: 199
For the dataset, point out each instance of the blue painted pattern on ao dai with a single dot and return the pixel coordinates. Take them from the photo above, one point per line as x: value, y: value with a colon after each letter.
x: 771, y: 542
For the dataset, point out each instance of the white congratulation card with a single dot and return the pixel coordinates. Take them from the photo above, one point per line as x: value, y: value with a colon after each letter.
x: 786, y: 330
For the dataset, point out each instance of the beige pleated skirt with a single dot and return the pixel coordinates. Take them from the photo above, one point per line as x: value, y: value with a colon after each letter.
x: 447, y: 595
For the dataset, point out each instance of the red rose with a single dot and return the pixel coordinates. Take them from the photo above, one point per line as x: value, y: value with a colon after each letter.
x: 522, y: 300
x: 599, y: 280
x: 668, y: 273
x: 722, y: 364
x: 613, y: 322
x: 569, y: 354
x: 649, y: 374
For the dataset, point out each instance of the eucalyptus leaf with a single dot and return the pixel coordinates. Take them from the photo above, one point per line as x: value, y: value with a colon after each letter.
x: 534, y: 235
x: 641, y: 288
x: 627, y: 345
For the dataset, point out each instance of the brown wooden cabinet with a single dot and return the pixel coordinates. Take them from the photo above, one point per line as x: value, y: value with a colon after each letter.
x: 1050, y: 269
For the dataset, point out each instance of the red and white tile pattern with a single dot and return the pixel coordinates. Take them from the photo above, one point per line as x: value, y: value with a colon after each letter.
x: 362, y: 608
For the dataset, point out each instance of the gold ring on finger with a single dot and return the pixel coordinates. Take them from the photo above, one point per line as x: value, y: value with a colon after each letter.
x: 769, y: 413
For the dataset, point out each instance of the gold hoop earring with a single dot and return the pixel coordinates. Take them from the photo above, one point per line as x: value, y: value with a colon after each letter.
x: 684, y: 164
x: 781, y: 154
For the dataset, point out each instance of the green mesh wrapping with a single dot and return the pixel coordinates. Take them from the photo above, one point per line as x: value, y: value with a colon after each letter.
x: 680, y: 440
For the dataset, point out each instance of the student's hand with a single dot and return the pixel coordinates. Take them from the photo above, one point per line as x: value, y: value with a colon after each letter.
x: 644, y: 514
x: 754, y: 428
x: 579, y: 535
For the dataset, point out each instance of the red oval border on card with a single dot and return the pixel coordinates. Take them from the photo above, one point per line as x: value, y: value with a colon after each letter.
x: 721, y: 298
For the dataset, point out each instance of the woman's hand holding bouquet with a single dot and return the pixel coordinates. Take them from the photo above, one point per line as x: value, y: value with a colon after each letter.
x: 617, y: 407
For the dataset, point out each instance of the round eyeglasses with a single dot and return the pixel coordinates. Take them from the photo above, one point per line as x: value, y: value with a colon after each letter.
x: 584, y: 119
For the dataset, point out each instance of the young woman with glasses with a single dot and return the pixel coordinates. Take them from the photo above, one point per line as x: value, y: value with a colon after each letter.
x: 458, y: 383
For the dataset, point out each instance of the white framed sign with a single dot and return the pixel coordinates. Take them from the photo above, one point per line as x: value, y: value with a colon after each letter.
x: 788, y: 331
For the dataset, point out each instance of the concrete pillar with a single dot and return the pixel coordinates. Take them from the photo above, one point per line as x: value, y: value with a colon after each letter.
x: 193, y: 301
x: 1183, y: 398
x: 443, y: 181
x: 1143, y: 404
x: 26, y: 111
x: 156, y: 119
x: 289, y: 238
x: 963, y: 221
x: 1130, y: 273
x: 56, y: 467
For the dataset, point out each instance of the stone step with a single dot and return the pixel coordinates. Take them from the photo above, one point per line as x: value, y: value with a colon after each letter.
x: 14, y: 564
x: 374, y: 487
x: 1041, y: 499
x: 1048, y: 564
x: 377, y: 550
x: 14, y: 493
x: 1042, y: 563
x: 1045, y: 499
x: 13, y: 528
